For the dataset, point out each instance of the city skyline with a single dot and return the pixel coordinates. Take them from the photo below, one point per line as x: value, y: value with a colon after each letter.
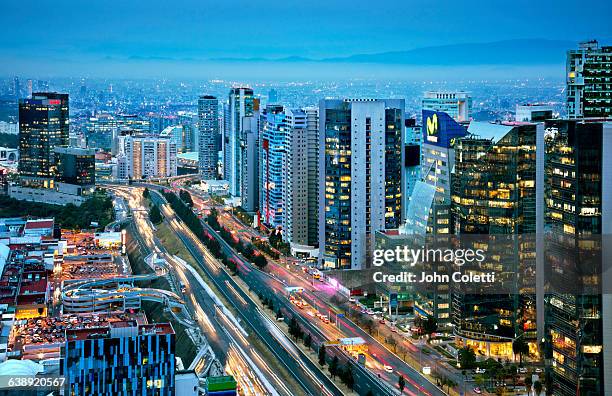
x: 286, y: 198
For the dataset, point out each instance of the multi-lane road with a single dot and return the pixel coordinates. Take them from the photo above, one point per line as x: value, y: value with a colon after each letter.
x: 375, y: 376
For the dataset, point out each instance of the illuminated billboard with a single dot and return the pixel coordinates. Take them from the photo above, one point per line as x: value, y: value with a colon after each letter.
x: 440, y: 129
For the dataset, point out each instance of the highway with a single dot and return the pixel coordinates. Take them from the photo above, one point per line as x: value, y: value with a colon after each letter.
x: 318, y: 295
x: 221, y: 333
x: 308, y: 374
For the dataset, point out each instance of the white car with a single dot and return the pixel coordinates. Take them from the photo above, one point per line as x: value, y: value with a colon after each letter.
x: 480, y: 370
x: 352, y: 300
x: 388, y: 368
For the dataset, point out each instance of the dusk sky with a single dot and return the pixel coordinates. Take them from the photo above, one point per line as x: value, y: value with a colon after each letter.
x: 107, y: 34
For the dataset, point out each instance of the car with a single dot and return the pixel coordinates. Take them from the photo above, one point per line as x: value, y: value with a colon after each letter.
x: 521, y: 370
x: 393, y: 330
x: 538, y: 370
x: 382, y: 321
x: 388, y: 368
x: 480, y: 370
x: 352, y: 300
x: 477, y: 390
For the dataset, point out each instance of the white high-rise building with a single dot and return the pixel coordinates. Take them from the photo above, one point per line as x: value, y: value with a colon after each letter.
x: 285, y: 175
x: 361, y: 178
x: 457, y: 104
x: 208, y: 128
x: 150, y: 156
x: 240, y: 105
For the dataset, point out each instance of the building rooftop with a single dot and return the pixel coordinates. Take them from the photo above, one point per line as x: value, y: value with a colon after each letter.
x: 39, y: 224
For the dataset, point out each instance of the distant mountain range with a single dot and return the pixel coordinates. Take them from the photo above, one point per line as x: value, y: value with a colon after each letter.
x: 509, y: 52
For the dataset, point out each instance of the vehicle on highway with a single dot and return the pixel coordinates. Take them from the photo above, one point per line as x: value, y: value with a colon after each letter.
x: 521, y: 370
x: 388, y: 368
x: 352, y: 300
x: 477, y: 390
x: 480, y: 370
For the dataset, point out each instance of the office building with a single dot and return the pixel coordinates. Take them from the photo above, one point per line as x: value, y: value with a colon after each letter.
x: 150, y: 156
x: 361, y: 179
x: 124, y: 358
x: 457, y: 104
x: 208, y: 139
x: 249, y: 154
x: 494, y: 196
x: 312, y: 145
x: 157, y: 123
x: 577, y: 225
x: 43, y: 126
x: 412, y: 158
x: 533, y: 112
x: 76, y: 166
x: 589, y: 86
x: 240, y: 105
x: 189, y: 121
x: 440, y: 131
x: 9, y: 128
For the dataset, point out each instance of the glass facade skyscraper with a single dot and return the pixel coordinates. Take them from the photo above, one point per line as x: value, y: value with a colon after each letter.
x: 43, y: 126
x: 494, y: 194
x: 578, y: 222
x: 208, y: 127
x: 589, y: 81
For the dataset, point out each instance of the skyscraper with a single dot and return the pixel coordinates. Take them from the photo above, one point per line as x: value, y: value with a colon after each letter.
x: 240, y: 105
x: 440, y: 132
x: 457, y: 104
x: 361, y: 180
x: 285, y: 174
x: 43, y: 126
x: 412, y: 158
x: 272, y: 153
x: 249, y: 154
x: 123, y: 359
x: 577, y: 225
x: 494, y: 195
x: 589, y: 88
x: 312, y: 145
x: 208, y: 127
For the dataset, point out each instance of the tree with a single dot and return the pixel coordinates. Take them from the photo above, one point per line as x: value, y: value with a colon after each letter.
x: 322, y: 355
x: 401, y: 383
x: 307, y: 341
x: 186, y: 197
x: 146, y: 194
x: 528, y: 382
x: 347, y: 377
x: 430, y: 325
x: 333, y: 367
x: 155, y: 215
x: 537, y: 387
x: 393, y: 343
x: 467, y: 358
x: 520, y: 347
x: 260, y: 261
